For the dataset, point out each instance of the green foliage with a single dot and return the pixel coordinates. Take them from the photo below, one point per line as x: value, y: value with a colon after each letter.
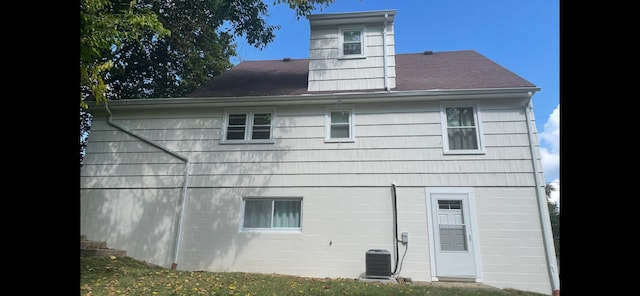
x: 126, y: 276
x: 147, y: 48
x: 305, y: 7
x: 554, y: 216
x: 85, y: 128
x: 196, y: 51
x: 104, y: 26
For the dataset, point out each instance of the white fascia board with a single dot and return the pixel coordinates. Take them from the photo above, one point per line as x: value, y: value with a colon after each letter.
x: 376, y: 16
x: 307, y: 99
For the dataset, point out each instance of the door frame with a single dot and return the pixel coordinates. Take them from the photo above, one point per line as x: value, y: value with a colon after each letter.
x: 469, y: 206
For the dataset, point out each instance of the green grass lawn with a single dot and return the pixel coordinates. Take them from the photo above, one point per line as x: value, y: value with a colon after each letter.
x: 126, y: 276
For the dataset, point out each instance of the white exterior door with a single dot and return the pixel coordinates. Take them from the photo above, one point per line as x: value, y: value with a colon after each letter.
x: 453, y: 247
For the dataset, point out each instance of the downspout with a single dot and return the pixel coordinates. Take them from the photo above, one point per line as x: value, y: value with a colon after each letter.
x: 183, y: 194
x: 543, y: 209
x: 384, y: 52
x: 395, y: 226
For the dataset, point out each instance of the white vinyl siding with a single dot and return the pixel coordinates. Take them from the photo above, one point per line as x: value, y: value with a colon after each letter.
x: 247, y: 127
x: 339, y: 124
x: 392, y: 138
x: 272, y: 213
x: 331, y: 70
x: 461, y: 129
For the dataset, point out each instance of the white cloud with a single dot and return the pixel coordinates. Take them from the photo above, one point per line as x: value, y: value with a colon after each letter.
x: 550, y: 146
x: 550, y: 164
x: 550, y: 153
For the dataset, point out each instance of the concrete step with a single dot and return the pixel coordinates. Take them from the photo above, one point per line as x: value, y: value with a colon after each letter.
x: 102, y: 253
x: 89, y: 248
x: 92, y: 245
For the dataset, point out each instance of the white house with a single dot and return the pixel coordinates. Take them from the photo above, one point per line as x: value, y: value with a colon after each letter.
x: 356, y: 162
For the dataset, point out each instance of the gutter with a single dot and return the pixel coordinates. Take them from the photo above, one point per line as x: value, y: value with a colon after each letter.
x: 349, y: 17
x: 330, y: 98
x: 543, y: 210
x: 183, y: 194
x: 384, y: 52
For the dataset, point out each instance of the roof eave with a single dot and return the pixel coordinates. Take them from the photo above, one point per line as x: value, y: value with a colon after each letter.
x: 306, y: 99
x: 377, y: 16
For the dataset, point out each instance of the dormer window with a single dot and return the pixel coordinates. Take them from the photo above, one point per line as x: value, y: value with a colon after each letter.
x: 352, y: 43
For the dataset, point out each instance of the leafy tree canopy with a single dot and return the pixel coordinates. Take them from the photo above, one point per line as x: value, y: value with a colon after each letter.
x: 148, y: 48
x: 104, y: 26
x: 554, y: 215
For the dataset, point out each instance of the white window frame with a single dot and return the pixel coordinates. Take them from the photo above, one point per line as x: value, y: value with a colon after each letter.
x: 363, y: 43
x: 271, y: 229
x: 248, y: 126
x: 478, y: 127
x: 328, y: 125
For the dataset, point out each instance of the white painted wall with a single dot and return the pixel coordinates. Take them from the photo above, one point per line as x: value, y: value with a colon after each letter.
x: 130, y: 191
x: 139, y: 221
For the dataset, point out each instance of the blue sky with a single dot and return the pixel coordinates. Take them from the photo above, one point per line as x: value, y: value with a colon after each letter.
x: 521, y: 35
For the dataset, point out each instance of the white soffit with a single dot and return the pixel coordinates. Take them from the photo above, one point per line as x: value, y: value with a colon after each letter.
x: 377, y: 16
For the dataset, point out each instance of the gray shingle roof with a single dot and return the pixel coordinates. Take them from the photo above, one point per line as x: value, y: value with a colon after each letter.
x: 465, y: 69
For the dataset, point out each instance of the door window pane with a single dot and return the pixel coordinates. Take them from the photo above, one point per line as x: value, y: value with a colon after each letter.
x: 452, y: 238
x: 449, y: 204
x: 451, y: 224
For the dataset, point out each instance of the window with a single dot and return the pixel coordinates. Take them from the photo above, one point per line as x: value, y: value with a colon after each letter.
x: 248, y: 126
x: 339, y: 124
x: 352, y: 42
x: 452, y: 226
x: 266, y: 213
x: 461, y: 129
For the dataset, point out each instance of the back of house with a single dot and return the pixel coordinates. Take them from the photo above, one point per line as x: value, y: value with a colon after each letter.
x: 357, y: 162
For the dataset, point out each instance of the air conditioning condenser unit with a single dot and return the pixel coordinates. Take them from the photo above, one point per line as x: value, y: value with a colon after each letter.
x: 378, y: 264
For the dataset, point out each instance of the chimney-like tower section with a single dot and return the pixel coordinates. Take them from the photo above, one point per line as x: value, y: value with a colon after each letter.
x: 352, y: 51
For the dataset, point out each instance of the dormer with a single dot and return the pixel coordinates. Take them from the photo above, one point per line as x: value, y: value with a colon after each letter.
x: 352, y: 51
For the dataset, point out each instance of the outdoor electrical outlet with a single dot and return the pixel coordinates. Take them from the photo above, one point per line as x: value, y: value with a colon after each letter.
x: 405, y: 237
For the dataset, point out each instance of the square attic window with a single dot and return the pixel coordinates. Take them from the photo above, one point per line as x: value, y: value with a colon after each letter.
x: 352, y: 42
